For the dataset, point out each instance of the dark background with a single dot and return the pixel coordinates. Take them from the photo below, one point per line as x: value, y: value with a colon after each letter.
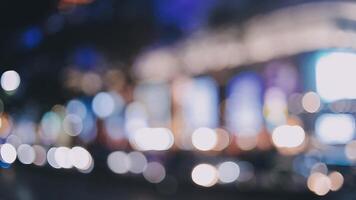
x: 120, y: 30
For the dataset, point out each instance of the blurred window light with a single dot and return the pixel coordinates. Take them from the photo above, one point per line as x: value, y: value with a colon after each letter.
x: 10, y: 80
x: 8, y: 153
x: 103, y: 105
x: 155, y: 96
x: 204, y: 139
x: 158, y: 64
x: 204, y: 175
x: 200, y: 103
x: 335, y: 76
x: 335, y: 128
x: 275, y: 107
x: 244, y: 105
x: 288, y: 136
x: 283, y: 75
x: 156, y: 139
x: 228, y: 172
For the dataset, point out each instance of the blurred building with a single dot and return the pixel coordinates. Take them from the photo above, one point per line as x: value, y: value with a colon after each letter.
x: 181, y: 99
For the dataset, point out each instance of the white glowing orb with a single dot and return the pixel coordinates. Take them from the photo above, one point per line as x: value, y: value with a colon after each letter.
x: 137, y: 162
x: 228, y: 172
x: 118, y: 162
x: 80, y: 158
x: 62, y: 158
x: 336, y: 180
x: 157, y: 139
x: 50, y: 158
x: 311, y: 102
x: 10, y: 80
x: 335, y: 128
x: 204, y: 139
x: 103, y: 104
x: 89, y: 168
x: 26, y: 154
x: 335, y: 76
x: 8, y: 153
x: 288, y: 136
x: 204, y: 175
x: 319, y: 183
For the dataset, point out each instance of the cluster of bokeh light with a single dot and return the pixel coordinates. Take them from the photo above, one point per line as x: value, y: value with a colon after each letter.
x: 227, y: 172
x: 136, y: 162
x: 321, y: 183
x: 156, y: 117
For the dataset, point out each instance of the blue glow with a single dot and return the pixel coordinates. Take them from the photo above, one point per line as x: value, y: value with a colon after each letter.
x: 32, y: 37
x: 86, y: 57
x: 77, y: 107
x: 184, y: 14
x: 89, y: 130
x: 115, y: 127
x: 103, y: 104
x: 4, y: 165
x: 244, y: 104
x: 200, y: 103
